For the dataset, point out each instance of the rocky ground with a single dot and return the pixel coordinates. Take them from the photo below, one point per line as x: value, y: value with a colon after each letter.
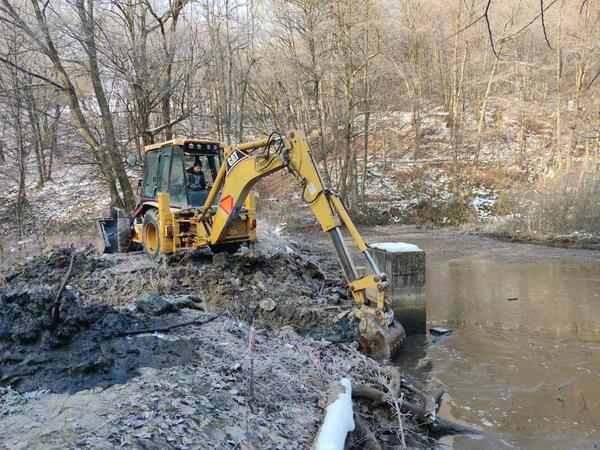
x: 201, y: 352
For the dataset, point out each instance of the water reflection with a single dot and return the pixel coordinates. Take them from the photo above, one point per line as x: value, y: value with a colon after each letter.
x: 556, y: 297
x: 523, y: 361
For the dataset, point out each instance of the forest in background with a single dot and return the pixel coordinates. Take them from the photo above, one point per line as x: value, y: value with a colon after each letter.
x: 510, y: 89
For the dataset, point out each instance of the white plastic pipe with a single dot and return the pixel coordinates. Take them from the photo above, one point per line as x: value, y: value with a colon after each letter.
x: 338, y: 422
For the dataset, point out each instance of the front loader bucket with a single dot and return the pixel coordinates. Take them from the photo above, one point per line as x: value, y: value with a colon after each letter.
x: 379, y: 343
x: 113, y: 234
x: 107, y: 240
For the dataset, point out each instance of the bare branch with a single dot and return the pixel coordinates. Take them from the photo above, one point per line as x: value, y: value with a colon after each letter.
x: 158, y: 129
x: 31, y: 73
x: 532, y: 21
x: 489, y: 27
x: 593, y: 79
x: 544, y: 23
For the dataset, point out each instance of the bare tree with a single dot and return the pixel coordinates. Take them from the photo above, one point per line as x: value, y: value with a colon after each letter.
x: 106, y: 154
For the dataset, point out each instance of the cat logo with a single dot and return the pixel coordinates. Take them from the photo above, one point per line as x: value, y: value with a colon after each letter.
x: 234, y: 158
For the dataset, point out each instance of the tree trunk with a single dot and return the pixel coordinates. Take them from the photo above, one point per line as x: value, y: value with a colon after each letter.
x: 365, y: 156
x: 557, y: 152
x: 112, y: 148
x: 483, y: 109
x: 2, y: 157
x: 36, y: 138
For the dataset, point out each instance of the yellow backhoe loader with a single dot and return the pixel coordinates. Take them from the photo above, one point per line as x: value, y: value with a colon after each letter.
x: 196, y: 193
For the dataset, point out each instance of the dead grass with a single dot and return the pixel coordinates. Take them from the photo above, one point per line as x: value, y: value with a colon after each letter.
x: 557, y: 207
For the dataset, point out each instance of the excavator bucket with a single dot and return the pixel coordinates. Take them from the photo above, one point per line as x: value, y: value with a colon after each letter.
x: 113, y: 234
x: 106, y: 232
x: 377, y: 341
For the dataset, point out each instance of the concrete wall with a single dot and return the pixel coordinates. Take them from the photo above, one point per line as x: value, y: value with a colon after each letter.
x: 406, y: 294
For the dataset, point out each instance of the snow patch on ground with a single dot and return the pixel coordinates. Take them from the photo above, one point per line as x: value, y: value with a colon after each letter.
x: 395, y: 247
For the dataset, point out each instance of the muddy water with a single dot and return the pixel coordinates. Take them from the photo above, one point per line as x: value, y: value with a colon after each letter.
x: 523, y: 361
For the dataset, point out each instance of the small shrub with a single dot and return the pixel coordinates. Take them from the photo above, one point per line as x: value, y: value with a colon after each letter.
x: 459, y: 211
x: 369, y: 216
x: 503, y: 205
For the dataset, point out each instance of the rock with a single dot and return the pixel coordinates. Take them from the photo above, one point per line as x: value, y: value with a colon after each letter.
x: 424, y: 364
x: 268, y: 304
x: 259, y: 276
x: 220, y: 260
x: 341, y: 292
x: 235, y: 433
x: 99, y: 364
x: 288, y: 332
x: 153, y: 304
x: 185, y: 301
x: 49, y: 340
x: 286, y: 311
x: 334, y: 298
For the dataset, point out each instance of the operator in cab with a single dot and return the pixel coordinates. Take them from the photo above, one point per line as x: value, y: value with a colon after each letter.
x: 196, y: 179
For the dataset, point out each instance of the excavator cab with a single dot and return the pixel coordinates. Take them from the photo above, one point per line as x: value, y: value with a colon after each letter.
x: 169, y: 170
x: 169, y: 167
x: 185, y: 171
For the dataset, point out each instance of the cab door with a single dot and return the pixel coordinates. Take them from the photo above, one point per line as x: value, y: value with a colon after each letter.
x: 164, y: 167
x: 150, y: 176
x: 177, y: 181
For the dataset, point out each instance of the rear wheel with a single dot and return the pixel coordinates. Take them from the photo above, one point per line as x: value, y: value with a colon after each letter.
x: 150, y: 234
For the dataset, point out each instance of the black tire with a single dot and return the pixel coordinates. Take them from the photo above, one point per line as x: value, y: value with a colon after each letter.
x: 123, y: 235
x: 151, y: 234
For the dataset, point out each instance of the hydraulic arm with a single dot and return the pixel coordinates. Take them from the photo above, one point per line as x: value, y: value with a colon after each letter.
x: 247, y: 163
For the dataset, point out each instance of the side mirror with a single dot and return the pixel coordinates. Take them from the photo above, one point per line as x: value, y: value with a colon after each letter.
x: 132, y: 160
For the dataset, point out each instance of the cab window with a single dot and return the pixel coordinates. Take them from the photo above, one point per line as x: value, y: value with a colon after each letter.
x: 150, y: 175
x: 163, y: 170
x: 177, y: 183
x: 210, y: 166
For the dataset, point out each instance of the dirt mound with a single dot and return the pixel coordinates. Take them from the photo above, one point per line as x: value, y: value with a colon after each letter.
x: 109, y: 296
x: 50, y: 267
x: 209, y: 391
x: 275, y: 291
x: 272, y: 289
x: 91, y: 344
x: 133, y: 358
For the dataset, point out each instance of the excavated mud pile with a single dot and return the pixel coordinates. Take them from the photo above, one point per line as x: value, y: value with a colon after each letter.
x: 50, y: 267
x: 278, y: 290
x: 268, y: 289
x: 108, y: 297
x: 26, y: 317
x: 87, y: 345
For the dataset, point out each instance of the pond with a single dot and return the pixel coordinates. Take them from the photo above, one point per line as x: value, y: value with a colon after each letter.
x: 523, y: 359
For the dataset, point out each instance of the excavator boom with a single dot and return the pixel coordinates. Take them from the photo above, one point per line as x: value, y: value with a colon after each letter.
x: 245, y: 164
